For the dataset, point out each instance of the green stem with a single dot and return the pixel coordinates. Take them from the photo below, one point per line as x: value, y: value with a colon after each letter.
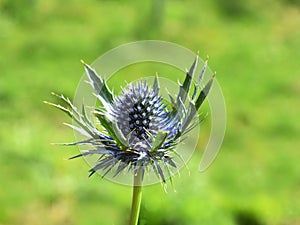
x: 136, y: 197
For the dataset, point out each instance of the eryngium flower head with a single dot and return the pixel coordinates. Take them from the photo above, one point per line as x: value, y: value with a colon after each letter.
x: 139, y: 130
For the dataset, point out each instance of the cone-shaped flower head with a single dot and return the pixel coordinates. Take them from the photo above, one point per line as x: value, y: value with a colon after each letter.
x: 140, y: 114
x: 139, y: 129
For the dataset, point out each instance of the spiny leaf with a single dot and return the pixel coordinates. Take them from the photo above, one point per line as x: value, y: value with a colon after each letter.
x: 190, y: 116
x: 90, y: 152
x: 60, y: 107
x: 120, y: 168
x: 99, y: 85
x: 75, y: 115
x: 193, y: 125
x: 85, y: 117
x: 156, y: 84
x: 200, y: 78
x: 169, y: 160
x: 104, y: 164
x: 170, y: 175
x: 194, y: 106
x: 204, y: 93
x: 68, y: 102
x: 185, y: 87
x: 159, y: 140
x: 160, y: 171
x: 202, y: 71
x: 112, y: 129
x: 78, y: 129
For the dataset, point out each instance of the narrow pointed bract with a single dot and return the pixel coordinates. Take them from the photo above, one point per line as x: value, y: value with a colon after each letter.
x: 139, y: 130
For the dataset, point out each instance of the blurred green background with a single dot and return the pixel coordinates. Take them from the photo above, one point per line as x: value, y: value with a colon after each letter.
x: 253, y: 45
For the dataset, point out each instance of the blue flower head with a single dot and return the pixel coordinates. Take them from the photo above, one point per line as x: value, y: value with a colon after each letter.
x: 139, y: 129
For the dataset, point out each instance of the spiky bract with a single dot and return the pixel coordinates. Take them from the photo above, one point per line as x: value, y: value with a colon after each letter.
x: 139, y: 129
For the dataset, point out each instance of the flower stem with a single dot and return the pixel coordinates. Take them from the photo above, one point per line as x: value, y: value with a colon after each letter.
x: 136, y: 197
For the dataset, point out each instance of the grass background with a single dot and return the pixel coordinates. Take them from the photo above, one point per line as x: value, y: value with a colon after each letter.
x: 253, y: 45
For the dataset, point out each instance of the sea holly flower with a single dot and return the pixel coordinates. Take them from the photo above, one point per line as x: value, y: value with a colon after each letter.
x: 140, y: 130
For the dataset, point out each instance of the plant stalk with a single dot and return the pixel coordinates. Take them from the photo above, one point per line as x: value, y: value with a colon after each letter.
x: 136, y: 197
